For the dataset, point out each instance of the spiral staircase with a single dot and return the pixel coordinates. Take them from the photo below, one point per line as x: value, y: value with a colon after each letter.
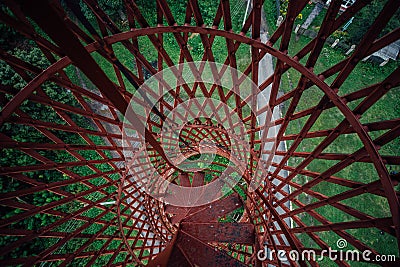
x: 80, y: 204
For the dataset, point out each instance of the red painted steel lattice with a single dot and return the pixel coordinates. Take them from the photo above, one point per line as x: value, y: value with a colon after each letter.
x: 67, y: 199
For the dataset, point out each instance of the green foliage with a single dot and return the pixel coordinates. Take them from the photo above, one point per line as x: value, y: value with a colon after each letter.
x: 13, y: 157
x: 284, y: 6
x: 113, y: 8
x: 340, y: 34
x: 364, y: 19
x: 9, y: 37
x: 270, y: 9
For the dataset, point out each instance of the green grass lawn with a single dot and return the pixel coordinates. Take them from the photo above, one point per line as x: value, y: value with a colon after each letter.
x: 365, y: 74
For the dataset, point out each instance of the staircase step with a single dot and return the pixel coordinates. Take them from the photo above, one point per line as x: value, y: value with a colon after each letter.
x: 184, y: 179
x: 241, y: 233
x: 215, y: 210
x: 198, y: 179
x: 205, y: 213
x: 200, y: 253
